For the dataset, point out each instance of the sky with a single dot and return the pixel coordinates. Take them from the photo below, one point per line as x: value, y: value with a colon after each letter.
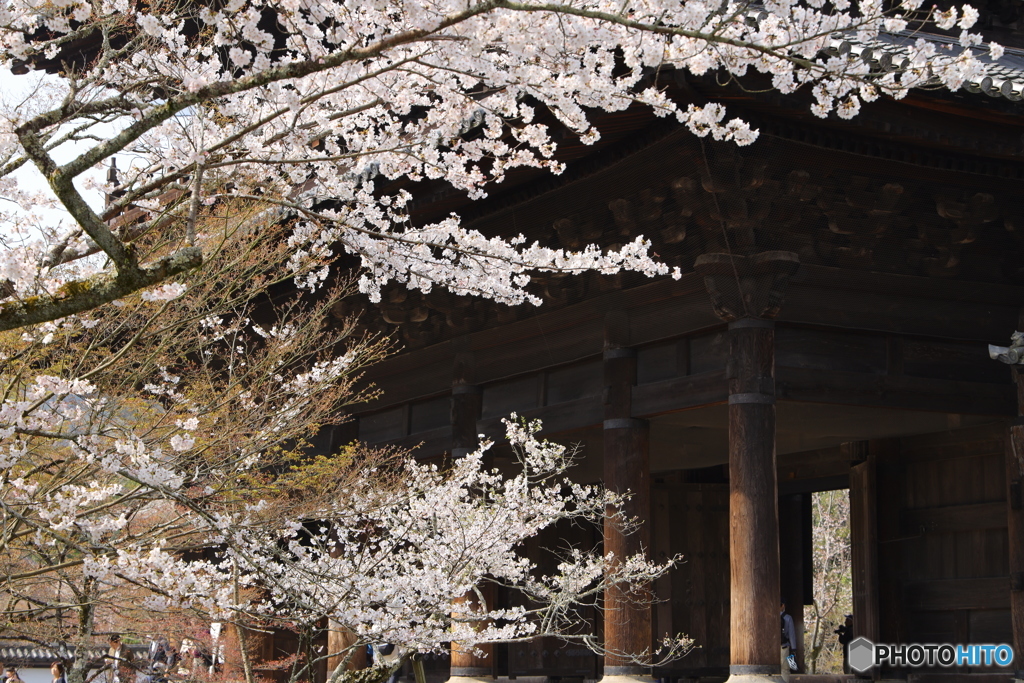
x: 16, y: 92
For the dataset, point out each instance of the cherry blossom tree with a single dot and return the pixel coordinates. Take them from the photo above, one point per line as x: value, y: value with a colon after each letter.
x: 154, y: 470
x: 126, y: 432
x: 388, y: 553
x: 313, y: 107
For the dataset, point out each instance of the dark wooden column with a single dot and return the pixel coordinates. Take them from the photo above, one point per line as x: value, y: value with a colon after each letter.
x: 467, y: 401
x: 864, y: 539
x: 627, y: 615
x: 340, y: 639
x: 747, y: 290
x: 466, y: 663
x: 1015, y: 528
x: 890, y: 485
x: 753, y: 505
x: 1014, y: 447
x: 795, y: 570
x: 1015, y: 517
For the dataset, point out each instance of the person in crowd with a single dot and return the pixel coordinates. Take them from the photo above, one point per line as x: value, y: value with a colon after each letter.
x: 158, y: 658
x: 173, y: 658
x: 121, y: 661
x: 57, y: 671
x: 11, y: 675
x: 788, y: 643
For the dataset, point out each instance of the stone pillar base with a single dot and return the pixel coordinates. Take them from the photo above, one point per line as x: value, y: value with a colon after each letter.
x: 470, y: 679
x: 755, y: 678
x: 629, y: 678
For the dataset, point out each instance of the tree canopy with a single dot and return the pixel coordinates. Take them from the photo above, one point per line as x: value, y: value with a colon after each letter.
x: 314, y: 107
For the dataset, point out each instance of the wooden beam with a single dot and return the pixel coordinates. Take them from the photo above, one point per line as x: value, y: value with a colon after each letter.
x: 915, y: 393
x: 901, y: 304
x: 666, y: 309
x: 820, y: 463
x: 428, y: 443
x: 680, y: 393
x: 578, y: 414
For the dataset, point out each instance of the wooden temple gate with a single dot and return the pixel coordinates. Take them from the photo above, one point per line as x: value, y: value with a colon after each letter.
x: 726, y: 398
x: 930, y: 508
x: 840, y: 284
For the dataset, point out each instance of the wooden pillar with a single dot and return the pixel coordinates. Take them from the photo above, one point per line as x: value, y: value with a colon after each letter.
x: 1015, y: 529
x: 627, y: 614
x: 339, y: 640
x: 467, y: 401
x: 1015, y: 517
x: 890, y: 478
x: 864, y: 541
x: 747, y: 291
x: 794, y: 532
x: 477, y: 662
x: 753, y: 504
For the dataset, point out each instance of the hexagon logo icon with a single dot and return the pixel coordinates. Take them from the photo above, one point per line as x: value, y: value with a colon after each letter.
x: 862, y: 654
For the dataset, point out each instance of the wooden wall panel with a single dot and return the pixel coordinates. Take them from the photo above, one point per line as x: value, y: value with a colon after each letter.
x: 659, y: 362
x: 709, y: 352
x: 551, y: 656
x: 989, y: 626
x: 943, y: 595
x: 955, y: 548
x: 520, y: 394
x: 430, y: 414
x: 386, y: 425
x: 573, y: 382
x: 693, y: 519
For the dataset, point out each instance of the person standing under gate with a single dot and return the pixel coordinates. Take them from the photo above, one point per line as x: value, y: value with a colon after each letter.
x: 845, y: 633
x: 788, y: 643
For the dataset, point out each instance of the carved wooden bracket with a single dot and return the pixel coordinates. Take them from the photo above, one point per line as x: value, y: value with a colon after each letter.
x: 747, y: 286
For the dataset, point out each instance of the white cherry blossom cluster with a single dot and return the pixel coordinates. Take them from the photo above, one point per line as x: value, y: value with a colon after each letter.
x: 394, y: 564
x: 388, y: 558
x: 342, y: 97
